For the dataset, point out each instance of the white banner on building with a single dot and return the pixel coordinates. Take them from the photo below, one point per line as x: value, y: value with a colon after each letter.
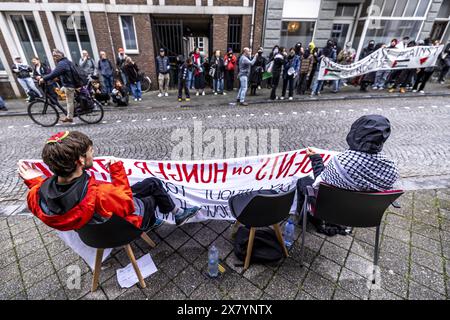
x: 210, y: 183
x: 382, y: 59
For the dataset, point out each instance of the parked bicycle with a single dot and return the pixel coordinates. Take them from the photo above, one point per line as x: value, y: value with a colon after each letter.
x: 146, y: 83
x: 44, y: 111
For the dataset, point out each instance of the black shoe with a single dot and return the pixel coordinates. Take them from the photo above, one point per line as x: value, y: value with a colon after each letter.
x: 4, y: 109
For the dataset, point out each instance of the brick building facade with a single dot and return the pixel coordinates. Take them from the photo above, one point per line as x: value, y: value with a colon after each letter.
x: 33, y: 27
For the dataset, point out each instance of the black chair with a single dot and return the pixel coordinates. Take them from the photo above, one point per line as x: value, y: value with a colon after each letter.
x: 261, y: 209
x: 115, y: 232
x: 348, y: 208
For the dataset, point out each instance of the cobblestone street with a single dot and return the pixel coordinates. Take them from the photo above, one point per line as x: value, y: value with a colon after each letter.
x: 415, y: 247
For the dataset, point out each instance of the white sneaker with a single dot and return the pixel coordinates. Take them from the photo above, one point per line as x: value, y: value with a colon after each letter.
x: 259, y: 87
x: 215, y: 93
x: 421, y: 91
x: 345, y: 84
x: 291, y: 98
x: 197, y: 93
x: 159, y: 95
x: 166, y: 94
x: 414, y: 91
x: 224, y: 93
x: 281, y: 98
x: 140, y: 99
x: 203, y: 93
x: 135, y: 99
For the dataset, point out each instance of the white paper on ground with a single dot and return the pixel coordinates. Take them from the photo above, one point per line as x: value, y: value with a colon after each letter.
x: 126, y: 277
x: 72, y: 239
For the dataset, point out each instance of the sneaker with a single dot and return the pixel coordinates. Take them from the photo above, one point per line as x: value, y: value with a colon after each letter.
x: 160, y: 95
x: 66, y: 119
x: 224, y: 93
x: 179, y: 99
x: 187, y: 213
x: 244, y: 104
x: 197, y: 93
x: 215, y: 93
x: 380, y: 88
x: 414, y: 91
x: 345, y: 84
x: 441, y: 82
x: 402, y: 90
x: 166, y: 94
x: 374, y: 88
x: 135, y: 99
x: 391, y: 90
x: 4, y: 109
x: 203, y: 93
x: 421, y: 91
x: 259, y: 87
x: 158, y: 223
x: 291, y: 98
x: 188, y: 99
x: 281, y: 98
x: 140, y: 99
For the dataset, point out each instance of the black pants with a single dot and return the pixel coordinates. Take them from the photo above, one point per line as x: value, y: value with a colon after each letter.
x: 229, y: 80
x: 422, y: 78
x: 153, y: 195
x: 289, y: 80
x: 275, y: 82
x: 182, y: 84
x: 444, y: 72
x: 302, y: 81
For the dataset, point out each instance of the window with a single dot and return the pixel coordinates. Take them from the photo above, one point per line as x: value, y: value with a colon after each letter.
x: 28, y: 35
x: 234, y: 33
x: 396, y: 8
x: 399, y: 8
x: 346, y: 10
x: 444, y: 11
x: 77, y: 36
x: 128, y: 32
x: 422, y: 9
x: 389, y: 29
x: 2, y: 67
x: 296, y: 31
x: 340, y: 33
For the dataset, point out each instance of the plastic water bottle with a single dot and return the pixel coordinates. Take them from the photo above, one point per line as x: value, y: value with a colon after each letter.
x: 213, y: 262
x: 289, y: 229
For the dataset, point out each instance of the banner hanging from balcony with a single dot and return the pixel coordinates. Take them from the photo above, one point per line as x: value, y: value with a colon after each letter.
x: 382, y: 59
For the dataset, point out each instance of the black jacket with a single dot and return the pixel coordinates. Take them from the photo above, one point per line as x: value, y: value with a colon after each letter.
x: 63, y: 71
x: 132, y: 72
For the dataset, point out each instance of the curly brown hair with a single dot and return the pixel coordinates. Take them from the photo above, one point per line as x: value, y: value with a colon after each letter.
x: 61, y: 157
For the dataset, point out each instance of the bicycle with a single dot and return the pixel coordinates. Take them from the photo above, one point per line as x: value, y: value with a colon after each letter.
x: 146, y: 83
x: 44, y: 111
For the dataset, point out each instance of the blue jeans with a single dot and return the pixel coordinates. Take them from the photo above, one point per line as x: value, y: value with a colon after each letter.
x: 136, y: 89
x: 317, y: 86
x: 218, y: 85
x: 337, y: 84
x: 108, y: 83
x: 381, y: 78
x: 243, y: 88
x: 189, y: 81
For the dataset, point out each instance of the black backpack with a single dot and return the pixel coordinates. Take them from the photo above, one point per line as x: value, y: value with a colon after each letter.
x: 79, y: 76
x: 266, y: 248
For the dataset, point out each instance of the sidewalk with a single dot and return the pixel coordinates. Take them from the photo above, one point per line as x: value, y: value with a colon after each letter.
x: 151, y: 100
x: 414, y: 261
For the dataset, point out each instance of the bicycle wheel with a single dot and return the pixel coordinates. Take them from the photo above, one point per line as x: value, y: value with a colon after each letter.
x: 146, y: 84
x: 95, y: 115
x: 43, y: 113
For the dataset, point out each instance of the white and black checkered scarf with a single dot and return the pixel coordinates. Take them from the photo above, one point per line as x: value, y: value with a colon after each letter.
x: 360, y: 171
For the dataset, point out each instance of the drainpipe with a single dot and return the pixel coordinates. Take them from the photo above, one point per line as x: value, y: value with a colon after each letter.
x: 252, y: 30
x: 263, y: 37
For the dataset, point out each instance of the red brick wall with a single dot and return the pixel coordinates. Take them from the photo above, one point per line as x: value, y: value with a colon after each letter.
x: 220, y: 32
x: 5, y: 87
x: 146, y: 58
x: 259, y: 24
x: 245, y: 36
x: 101, y: 31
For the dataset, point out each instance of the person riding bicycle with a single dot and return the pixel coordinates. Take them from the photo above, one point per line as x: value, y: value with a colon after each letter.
x: 63, y: 71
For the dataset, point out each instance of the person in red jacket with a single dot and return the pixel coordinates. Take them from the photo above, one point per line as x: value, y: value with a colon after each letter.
x: 230, y: 62
x: 71, y: 198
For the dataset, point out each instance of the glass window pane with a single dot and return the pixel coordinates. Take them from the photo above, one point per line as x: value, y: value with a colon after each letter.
x: 296, y: 31
x: 389, y: 29
x: 411, y: 8
x: 444, y: 11
x: 2, y: 67
x: 339, y: 33
x: 22, y: 34
x: 377, y: 7
x: 36, y: 38
x: 339, y: 10
x: 423, y: 6
x: 72, y: 26
x: 358, y: 34
x: 129, y: 32
x: 388, y: 8
x: 400, y: 8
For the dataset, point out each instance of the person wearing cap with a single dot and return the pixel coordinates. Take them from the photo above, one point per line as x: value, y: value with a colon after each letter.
x: 120, y: 62
x: 229, y: 61
x: 24, y: 78
x: 63, y: 71
x: 362, y: 167
x: 163, y: 70
x: 71, y: 198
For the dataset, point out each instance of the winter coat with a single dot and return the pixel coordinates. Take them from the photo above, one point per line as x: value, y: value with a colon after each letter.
x: 230, y: 62
x: 131, y: 70
x: 218, y: 65
x: 63, y: 71
x: 162, y: 64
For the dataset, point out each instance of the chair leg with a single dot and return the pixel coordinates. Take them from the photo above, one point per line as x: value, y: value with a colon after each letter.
x: 97, y: 268
x: 251, y: 238
x: 147, y: 239
x: 135, y: 265
x: 279, y: 234
x: 304, y: 223
x: 376, y: 253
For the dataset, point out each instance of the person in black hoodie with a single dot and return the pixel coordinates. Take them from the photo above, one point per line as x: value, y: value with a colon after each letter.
x: 362, y: 167
x: 257, y: 71
x: 277, y: 68
x: 327, y: 52
x: 424, y: 74
x: 368, y: 78
x: 183, y: 74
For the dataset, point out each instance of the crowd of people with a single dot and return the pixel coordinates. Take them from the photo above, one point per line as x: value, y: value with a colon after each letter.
x: 294, y: 71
